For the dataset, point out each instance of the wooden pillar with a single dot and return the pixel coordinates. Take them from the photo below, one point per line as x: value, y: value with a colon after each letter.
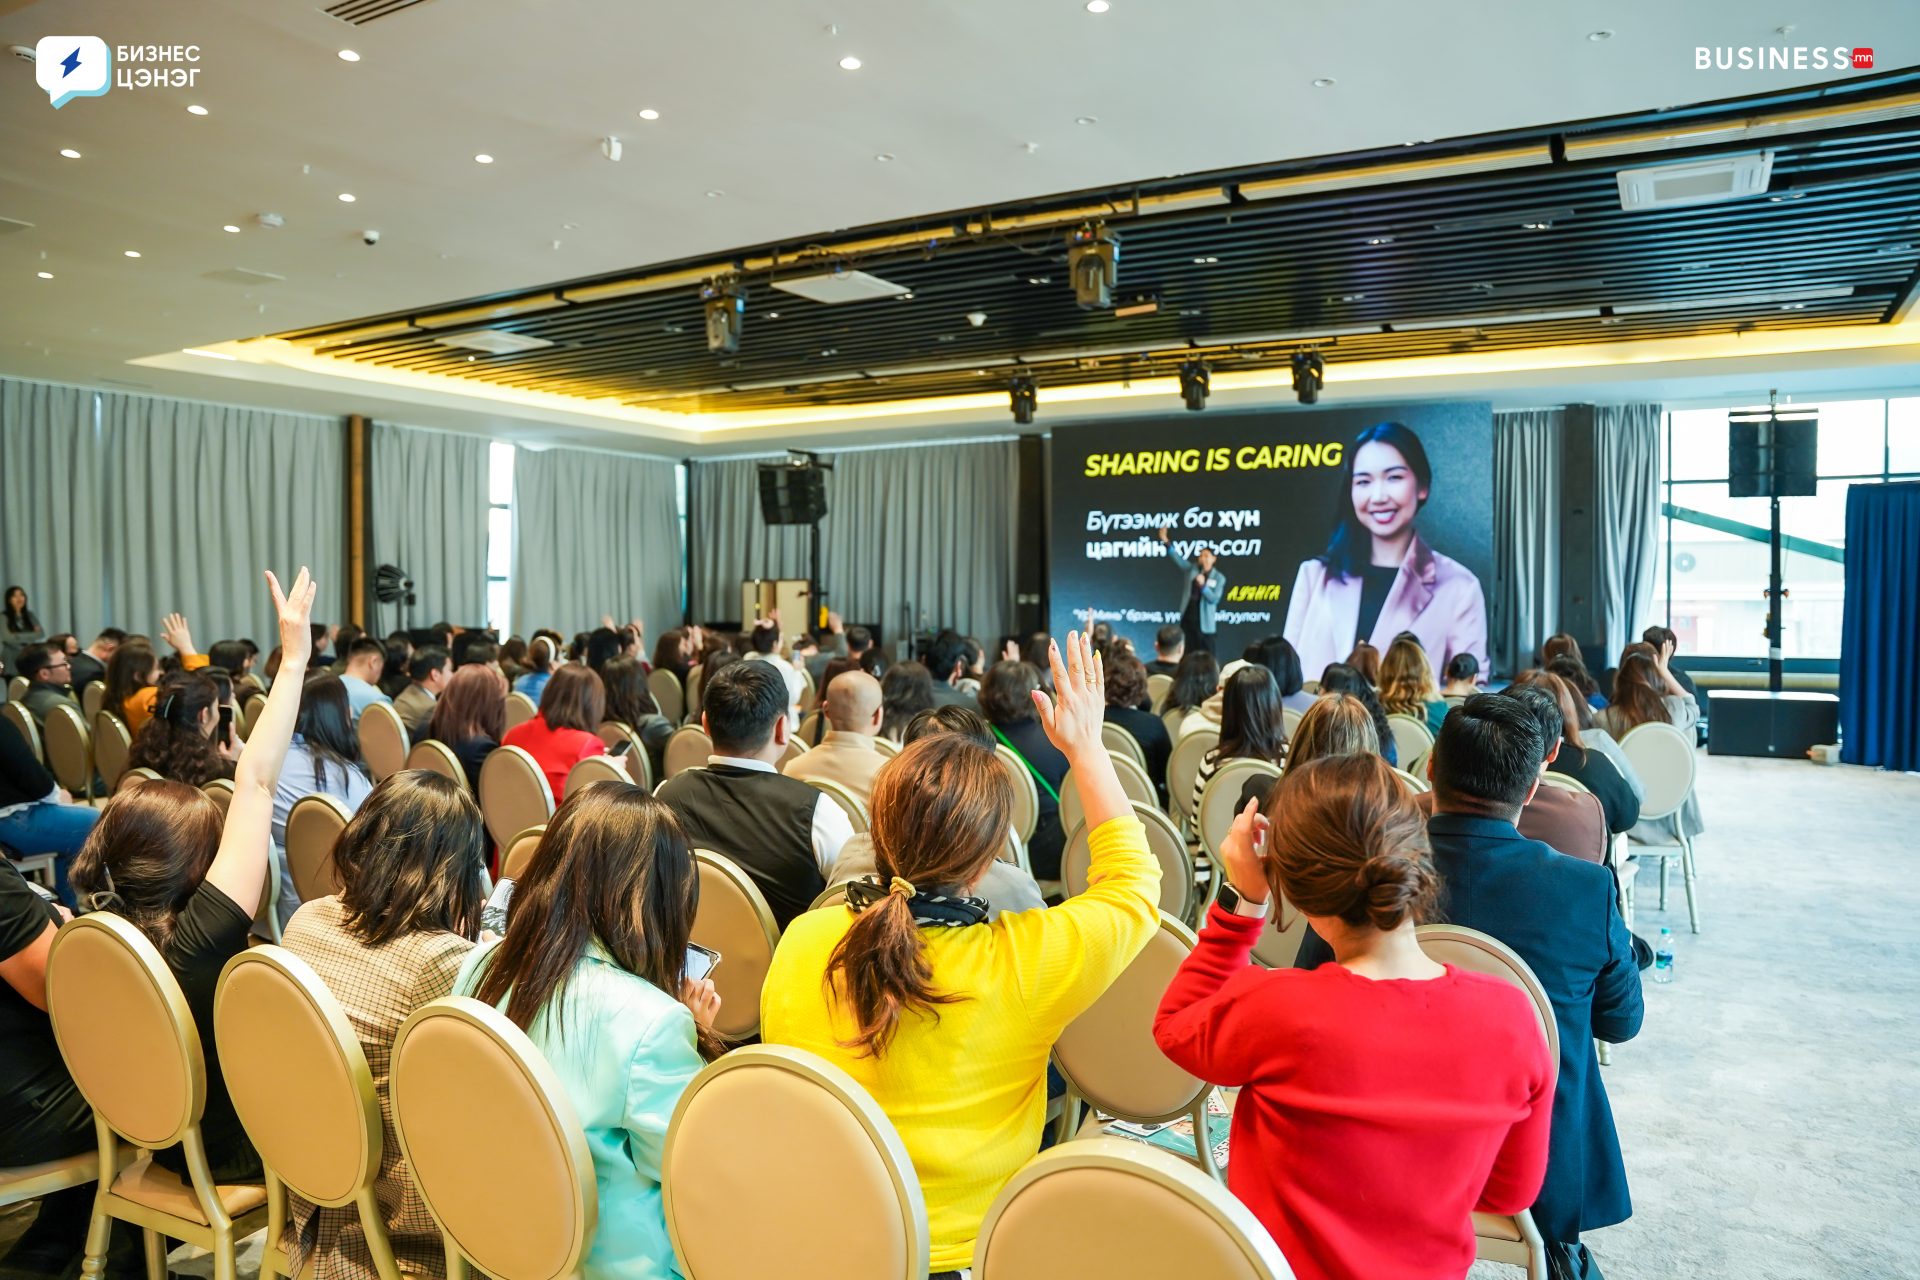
x: 359, y: 581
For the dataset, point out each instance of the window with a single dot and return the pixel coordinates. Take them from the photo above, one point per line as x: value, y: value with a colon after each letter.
x: 500, y: 537
x: 1714, y: 553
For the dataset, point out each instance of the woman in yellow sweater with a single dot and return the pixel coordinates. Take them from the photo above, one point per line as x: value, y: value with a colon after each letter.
x: 945, y: 1018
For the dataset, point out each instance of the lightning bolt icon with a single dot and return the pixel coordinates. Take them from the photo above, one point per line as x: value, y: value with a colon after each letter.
x: 70, y: 64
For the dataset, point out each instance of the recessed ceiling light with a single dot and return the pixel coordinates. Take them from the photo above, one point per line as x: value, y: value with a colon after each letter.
x: 483, y: 158
x: 1793, y: 306
x: 849, y: 63
x: 231, y: 229
x: 1086, y: 119
x: 1207, y: 261
x: 69, y: 153
x: 648, y: 113
x: 44, y: 275
x: 1598, y: 36
x: 715, y: 194
x: 885, y: 157
x: 348, y: 55
x: 830, y: 351
x: 1324, y: 82
x: 907, y: 296
x: 1536, y: 226
x: 1377, y: 240
x: 1348, y: 297
x: 773, y: 315
x: 346, y: 197
x: 133, y: 253
x: 1098, y: 6
x: 196, y: 110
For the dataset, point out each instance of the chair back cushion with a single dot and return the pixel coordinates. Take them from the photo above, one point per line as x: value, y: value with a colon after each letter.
x: 1564, y: 783
x: 595, y: 769
x: 1134, y: 780
x: 514, y: 793
x: 688, y: 748
x: 1122, y: 743
x: 17, y: 688
x: 114, y: 1003
x: 69, y: 749
x: 314, y: 825
x: 383, y: 741
x: 1121, y: 1210
x: 1414, y: 782
x: 734, y: 920
x: 1411, y: 738
x: 1183, y: 766
x: 16, y: 714
x: 477, y: 1109
x: 297, y: 1075
x: 519, y: 851
x: 1026, y: 793
x: 520, y: 709
x: 1220, y: 798
x: 437, y: 756
x: 850, y: 804
x: 92, y: 698
x: 136, y: 777
x: 1478, y: 952
x: 1159, y: 685
x: 220, y: 791
x: 112, y: 744
x: 1164, y: 842
x: 742, y: 1128
x: 251, y: 711
x: 1663, y: 757
x: 1108, y: 1053
x: 667, y: 693
x: 795, y: 749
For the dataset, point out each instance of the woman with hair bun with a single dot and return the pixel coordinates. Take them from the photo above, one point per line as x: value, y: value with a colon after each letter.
x: 1360, y: 1144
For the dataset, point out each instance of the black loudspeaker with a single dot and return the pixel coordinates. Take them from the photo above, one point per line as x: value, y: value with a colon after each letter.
x: 1762, y: 448
x: 792, y: 495
x: 1581, y: 613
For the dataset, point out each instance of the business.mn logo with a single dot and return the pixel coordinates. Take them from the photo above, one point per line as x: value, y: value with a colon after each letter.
x: 70, y: 67
x: 1782, y: 57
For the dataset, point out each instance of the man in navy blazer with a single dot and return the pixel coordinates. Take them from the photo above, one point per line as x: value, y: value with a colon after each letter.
x: 1562, y: 916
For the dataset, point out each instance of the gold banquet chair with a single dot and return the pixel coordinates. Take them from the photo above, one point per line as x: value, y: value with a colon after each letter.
x: 70, y: 751
x: 738, y: 1133
x: 112, y: 744
x: 283, y: 1037
x: 313, y: 829
x: 114, y: 1003
x: 383, y: 741
x: 473, y: 1099
x: 1163, y: 842
x: 1120, y: 1210
x: 514, y: 793
x: 519, y: 852
x: 520, y: 709
x: 734, y: 919
x: 437, y: 757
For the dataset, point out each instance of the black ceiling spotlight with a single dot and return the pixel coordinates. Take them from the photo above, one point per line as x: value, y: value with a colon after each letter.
x: 1093, y: 260
x: 1309, y: 374
x: 1196, y: 380
x: 726, y: 302
x: 1023, y: 395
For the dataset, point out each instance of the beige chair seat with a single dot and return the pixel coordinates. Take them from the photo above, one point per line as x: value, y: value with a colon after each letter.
x: 148, y: 1185
x: 1496, y: 1226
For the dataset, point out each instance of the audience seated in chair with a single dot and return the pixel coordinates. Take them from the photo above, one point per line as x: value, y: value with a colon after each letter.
x: 1406, y: 684
x: 36, y: 813
x: 1563, y: 918
x: 1195, y: 693
x: 323, y: 760
x: 764, y: 646
x: 782, y: 832
x: 1463, y: 679
x: 236, y: 659
x: 428, y: 671
x: 1331, y: 1126
x: 413, y: 865
x: 1169, y: 646
x: 1580, y: 759
x: 49, y: 674
x: 541, y: 656
x: 951, y: 659
x: 1561, y: 655
x: 1003, y: 886
x: 1646, y: 692
x: 1251, y: 728
x: 471, y: 717
x: 1341, y: 678
x: 361, y: 668
x: 90, y: 664
x: 1335, y: 725
x: 905, y: 691
x: 567, y: 730
x: 180, y: 741
x: 1007, y: 700
x: 1127, y: 706
x: 945, y: 1018
x: 593, y: 969
x: 162, y: 857
x: 846, y: 753
x: 131, y: 675
x: 630, y: 701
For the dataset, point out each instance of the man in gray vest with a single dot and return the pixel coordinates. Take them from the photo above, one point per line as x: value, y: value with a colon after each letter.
x: 1204, y: 590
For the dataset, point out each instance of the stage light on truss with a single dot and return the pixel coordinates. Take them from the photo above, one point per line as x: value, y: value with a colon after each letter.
x: 1309, y: 375
x: 1093, y: 261
x: 726, y: 306
x: 1196, y: 380
x: 1023, y: 396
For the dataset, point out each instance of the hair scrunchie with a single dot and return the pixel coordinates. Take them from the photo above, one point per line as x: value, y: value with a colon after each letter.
x: 902, y: 887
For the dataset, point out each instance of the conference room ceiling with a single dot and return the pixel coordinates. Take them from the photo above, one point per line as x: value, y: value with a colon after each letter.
x: 1531, y: 248
x: 978, y: 105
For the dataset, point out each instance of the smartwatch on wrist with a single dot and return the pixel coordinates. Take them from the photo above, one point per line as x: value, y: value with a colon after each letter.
x: 1233, y: 904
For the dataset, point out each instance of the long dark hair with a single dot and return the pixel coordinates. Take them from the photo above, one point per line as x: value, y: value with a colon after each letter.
x: 613, y: 866
x: 1351, y: 546
x: 940, y: 814
x: 1277, y: 654
x: 628, y: 699
x: 1561, y: 655
x: 1250, y: 719
x: 472, y: 706
x: 172, y: 743
x: 147, y: 855
x: 20, y: 619
x: 412, y: 860
x: 575, y: 698
x: 326, y: 726
x: 1638, y: 693
x: 1341, y: 678
x: 905, y: 691
x: 127, y: 672
x: 1194, y: 680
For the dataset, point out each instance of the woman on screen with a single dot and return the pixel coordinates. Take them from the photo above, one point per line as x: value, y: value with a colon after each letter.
x: 1378, y: 577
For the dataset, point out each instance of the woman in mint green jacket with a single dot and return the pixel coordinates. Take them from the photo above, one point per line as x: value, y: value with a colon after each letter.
x: 593, y: 969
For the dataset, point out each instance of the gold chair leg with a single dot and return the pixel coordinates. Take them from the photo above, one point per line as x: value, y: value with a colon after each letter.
x: 225, y: 1266
x: 156, y: 1251
x: 1687, y: 876
x: 1203, y: 1140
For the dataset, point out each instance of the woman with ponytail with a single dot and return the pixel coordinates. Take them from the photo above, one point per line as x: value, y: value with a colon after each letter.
x: 1361, y: 1139
x: 947, y: 1017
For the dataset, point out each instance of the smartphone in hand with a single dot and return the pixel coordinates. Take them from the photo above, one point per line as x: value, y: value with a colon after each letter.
x: 700, y: 961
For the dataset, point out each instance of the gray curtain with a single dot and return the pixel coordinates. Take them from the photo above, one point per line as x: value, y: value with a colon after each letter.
x: 913, y: 538
x: 427, y: 491
x: 199, y: 498
x: 1526, y: 534
x: 593, y: 534
x: 50, y: 505
x: 1627, y: 458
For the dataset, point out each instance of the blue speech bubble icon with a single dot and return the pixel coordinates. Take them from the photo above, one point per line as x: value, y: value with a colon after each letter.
x: 70, y: 67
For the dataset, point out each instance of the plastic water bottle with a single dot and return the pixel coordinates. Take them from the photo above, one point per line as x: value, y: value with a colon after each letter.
x: 1663, y: 957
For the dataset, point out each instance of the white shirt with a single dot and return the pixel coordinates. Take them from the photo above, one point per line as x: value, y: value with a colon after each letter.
x: 796, y: 683
x: 831, y: 826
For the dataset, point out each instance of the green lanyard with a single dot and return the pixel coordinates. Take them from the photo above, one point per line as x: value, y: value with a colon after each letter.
x: 1037, y: 776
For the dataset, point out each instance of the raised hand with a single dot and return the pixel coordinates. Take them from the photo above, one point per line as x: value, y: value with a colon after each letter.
x: 1073, y: 716
x: 1244, y: 852
x: 174, y: 630
x: 295, y: 610
x: 1011, y: 652
x: 1165, y: 535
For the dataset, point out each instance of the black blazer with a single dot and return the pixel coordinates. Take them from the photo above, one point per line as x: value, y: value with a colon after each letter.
x: 1562, y: 915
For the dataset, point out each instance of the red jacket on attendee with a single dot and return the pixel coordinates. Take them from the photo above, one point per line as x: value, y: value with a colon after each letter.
x: 555, y: 750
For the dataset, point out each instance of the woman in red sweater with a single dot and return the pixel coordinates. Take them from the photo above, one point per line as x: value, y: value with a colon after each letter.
x: 567, y: 729
x: 1384, y: 1097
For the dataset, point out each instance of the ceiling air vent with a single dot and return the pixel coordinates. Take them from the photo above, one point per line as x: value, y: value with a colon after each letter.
x: 361, y: 12
x: 493, y: 342
x: 1670, y: 186
x: 841, y: 286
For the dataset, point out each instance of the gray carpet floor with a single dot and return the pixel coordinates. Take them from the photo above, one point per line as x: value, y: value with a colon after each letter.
x: 1767, y: 1109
